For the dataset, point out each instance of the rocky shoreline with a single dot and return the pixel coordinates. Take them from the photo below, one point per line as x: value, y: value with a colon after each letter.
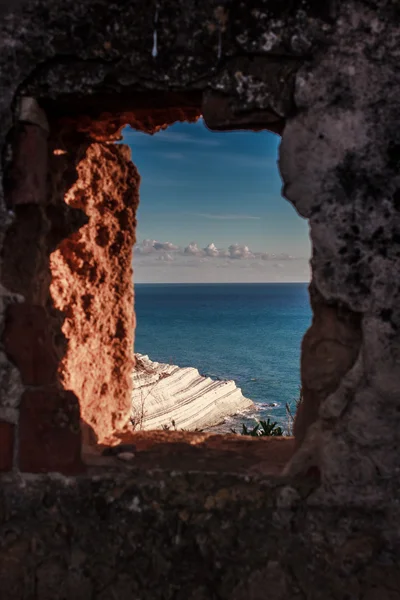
x: 173, y: 397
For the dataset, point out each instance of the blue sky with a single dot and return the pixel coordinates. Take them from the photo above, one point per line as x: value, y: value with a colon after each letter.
x: 200, y: 188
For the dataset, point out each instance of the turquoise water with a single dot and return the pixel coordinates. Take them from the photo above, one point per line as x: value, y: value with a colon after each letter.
x: 247, y: 332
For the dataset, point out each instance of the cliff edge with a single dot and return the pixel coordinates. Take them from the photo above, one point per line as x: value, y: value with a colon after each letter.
x: 167, y: 395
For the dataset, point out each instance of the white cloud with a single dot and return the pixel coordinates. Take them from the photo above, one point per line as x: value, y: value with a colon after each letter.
x: 165, y: 262
x: 211, y: 250
x: 165, y: 246
x: 240, y: 251
x: 149, y: 247
x: 193, y: 250
x: 145, y: 247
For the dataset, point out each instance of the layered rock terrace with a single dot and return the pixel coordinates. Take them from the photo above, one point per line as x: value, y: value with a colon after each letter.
x: 166, y: 395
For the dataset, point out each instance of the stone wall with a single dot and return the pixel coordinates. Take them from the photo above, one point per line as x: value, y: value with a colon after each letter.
x: 340, y: 164
x: 325, y: 76
x: 45, y: 416
x: 191, y: 517
x: 235, y: 65
x: 149, y: 536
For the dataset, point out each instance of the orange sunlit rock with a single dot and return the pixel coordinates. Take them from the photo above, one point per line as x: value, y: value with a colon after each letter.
x: 92, y: 285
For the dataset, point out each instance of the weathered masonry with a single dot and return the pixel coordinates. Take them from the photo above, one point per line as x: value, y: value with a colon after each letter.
x: 193, y: 517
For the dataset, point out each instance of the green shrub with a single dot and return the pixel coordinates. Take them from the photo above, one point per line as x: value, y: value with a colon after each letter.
x: 262, y: 428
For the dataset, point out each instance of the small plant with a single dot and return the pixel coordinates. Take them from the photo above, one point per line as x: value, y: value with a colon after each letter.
x: 261, y: 429
x: 290, y: 415
x: 268, y: 428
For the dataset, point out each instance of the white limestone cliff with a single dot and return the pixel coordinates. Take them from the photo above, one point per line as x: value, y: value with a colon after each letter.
x: 170, y: 396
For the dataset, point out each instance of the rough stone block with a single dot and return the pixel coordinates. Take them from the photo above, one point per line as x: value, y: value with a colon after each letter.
x: 6, y: 445
x: 49, y: 433
x: 28, y: 341
x: 92, y: 285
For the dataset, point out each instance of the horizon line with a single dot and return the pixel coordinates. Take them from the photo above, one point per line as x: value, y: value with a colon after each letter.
x: 219, y: 283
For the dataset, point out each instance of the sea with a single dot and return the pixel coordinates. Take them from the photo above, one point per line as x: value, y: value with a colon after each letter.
x: 250, y: 333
